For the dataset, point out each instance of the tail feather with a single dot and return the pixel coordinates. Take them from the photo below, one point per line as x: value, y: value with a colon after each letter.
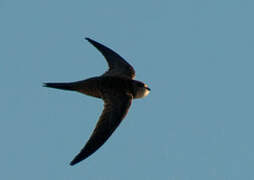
x: 63, y: 86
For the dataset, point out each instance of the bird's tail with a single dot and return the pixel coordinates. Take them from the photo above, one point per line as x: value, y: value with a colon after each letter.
x: 63, y: 86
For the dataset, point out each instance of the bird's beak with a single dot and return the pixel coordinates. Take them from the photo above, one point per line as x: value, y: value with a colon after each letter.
x: 148, y: 88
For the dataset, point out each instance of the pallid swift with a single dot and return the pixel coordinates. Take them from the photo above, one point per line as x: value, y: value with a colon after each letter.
x: 116, y: 87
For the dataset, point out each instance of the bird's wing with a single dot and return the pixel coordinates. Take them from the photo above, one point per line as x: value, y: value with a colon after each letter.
x: 117, y: 65
x: 115, y: 109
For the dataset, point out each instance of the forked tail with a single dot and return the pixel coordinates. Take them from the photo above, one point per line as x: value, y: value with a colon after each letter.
x: 63, y: 86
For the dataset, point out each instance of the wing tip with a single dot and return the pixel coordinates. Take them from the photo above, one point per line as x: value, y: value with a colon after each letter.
x: 75, y: 161
x: 72, y: 163
x: 89, y: 39
x: 78, y: 159
x: 98, y: 45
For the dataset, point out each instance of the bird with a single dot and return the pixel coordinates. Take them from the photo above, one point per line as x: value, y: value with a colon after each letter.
x: 116, y: 87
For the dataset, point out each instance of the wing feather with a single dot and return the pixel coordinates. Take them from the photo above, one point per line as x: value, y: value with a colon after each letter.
x: 115, y: 109
x: 117, y: 65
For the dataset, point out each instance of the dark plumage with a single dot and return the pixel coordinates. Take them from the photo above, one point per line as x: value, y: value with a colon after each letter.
x: 117, y: 89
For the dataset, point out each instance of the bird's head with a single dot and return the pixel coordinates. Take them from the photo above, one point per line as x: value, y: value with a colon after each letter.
x: 141, y: 90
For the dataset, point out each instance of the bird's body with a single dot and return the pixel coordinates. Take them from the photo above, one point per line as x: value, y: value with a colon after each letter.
x: 116, y: 87
x: 96, y: 86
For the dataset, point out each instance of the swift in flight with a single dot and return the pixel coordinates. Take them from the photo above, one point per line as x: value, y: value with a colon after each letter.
x: 116, y: 87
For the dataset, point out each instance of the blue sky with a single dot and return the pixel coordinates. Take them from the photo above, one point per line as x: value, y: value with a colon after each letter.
x: 196, y: 56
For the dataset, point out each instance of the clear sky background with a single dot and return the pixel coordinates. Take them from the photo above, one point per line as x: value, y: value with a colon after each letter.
x: 197, y: 57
